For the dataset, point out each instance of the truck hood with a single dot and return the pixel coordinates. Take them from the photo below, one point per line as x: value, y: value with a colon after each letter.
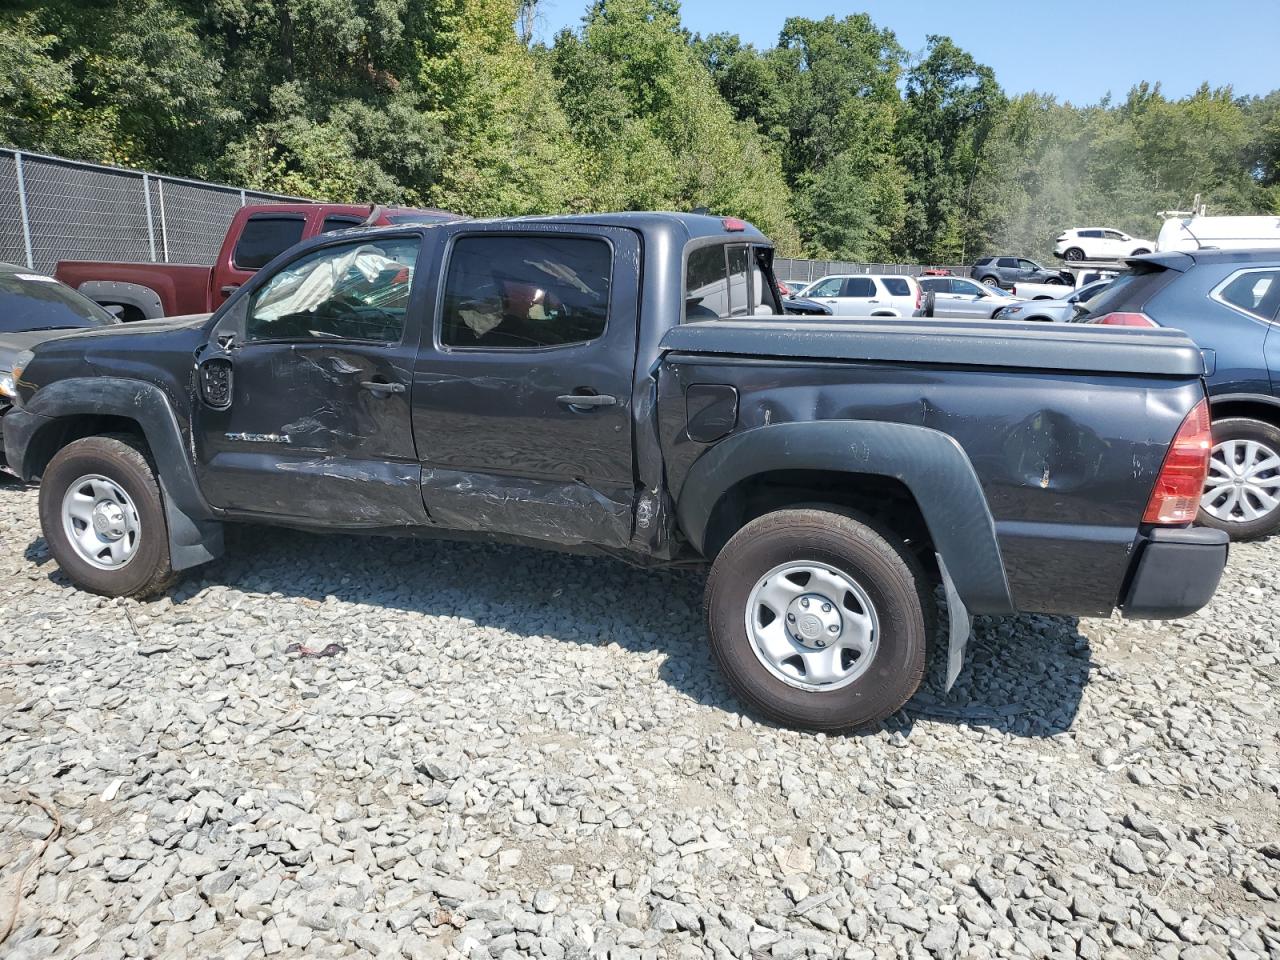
x: 1130, y: 350
x: 12, y: 344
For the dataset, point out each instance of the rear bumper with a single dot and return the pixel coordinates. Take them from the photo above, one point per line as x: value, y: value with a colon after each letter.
x: 1175, y: 573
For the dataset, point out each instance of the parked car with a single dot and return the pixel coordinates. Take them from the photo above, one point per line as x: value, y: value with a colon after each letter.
x: 550, y: 381
x: 35, y: 307
x: 1053, y: 311
x: 257, y: 234
x: 1196, y: 232
x: 1099, y: 243
x: 958, y: 297
x: 1006, y: 271
x: 1228, y: 302
x: 868, y: 295
x: 1075, y: 278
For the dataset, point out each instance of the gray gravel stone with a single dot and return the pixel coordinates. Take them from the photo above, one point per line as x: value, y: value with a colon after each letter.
x: 522, y: 754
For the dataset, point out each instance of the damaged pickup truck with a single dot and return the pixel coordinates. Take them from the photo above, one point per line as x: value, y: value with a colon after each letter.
x: 621, y: 384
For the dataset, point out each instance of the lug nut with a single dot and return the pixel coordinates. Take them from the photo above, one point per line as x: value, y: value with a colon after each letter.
x: 804, y: 602
x: 826, y: 608
x: 791, y: 618
x: 833, y: 628
x: 819, y: 643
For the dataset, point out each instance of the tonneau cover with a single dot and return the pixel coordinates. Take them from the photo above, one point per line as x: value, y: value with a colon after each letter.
x: 1028, y: 346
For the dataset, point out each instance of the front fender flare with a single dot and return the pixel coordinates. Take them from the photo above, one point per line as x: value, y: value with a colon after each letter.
x: 194, y: 536
x: 930, y: 463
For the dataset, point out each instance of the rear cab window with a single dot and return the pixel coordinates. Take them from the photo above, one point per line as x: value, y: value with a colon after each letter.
x: 729, y: 280
x: 264, y: 237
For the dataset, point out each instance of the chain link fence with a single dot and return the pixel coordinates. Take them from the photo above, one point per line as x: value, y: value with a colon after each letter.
x: 804, y: 271
x: 55, y: 209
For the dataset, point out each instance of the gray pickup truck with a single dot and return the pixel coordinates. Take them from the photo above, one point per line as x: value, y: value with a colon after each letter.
x: 622, y: 384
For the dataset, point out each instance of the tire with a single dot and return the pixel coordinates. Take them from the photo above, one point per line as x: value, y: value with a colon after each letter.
x: 930, y: 303
x: 892, y: 583
x: 991, y: 281
x: 1139, y: 252
x: 1241, y: 432
x: 1056, y: 282
x: 1074, y: 254
x: 109, y: 466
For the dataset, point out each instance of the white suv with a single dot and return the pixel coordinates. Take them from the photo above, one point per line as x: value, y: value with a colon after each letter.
x: 868, y: 295
x: 1099, y: 243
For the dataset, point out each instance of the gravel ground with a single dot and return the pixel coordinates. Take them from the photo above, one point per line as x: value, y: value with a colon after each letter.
x: 524, y: 754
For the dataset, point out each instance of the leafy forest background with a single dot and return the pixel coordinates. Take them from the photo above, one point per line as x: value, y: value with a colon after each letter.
x: 838, y: 142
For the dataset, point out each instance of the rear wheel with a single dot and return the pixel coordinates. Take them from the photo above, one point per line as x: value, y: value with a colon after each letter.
x: 1074, y: 254
x: 817, y: 619
x: 991, y: 281
x: 1242, y: 493
x: 103, y: 519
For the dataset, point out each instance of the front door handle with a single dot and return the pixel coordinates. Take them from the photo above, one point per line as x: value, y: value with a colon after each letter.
x: 229, y: 289
x: 583, y: 400
x: 381, y: 387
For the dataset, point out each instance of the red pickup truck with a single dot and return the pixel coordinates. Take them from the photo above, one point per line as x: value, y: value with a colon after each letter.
x: 256, y: 235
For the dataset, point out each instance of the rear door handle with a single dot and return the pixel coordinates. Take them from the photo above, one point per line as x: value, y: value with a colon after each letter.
x: 382, y: 388
x: 587, y: 400
x: 229, y: 289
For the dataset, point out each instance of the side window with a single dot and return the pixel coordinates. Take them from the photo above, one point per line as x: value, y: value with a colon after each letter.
x: 339, y: 223
x: 897, y: 286
x: 827, y: 288
x: 1009, y: 261
x: 1254, y: 291
x: 264, y: 238
x: 859, y: 287
x: 1091, y: 234
x: 967, y: 288
x: 739, y: 271
x: 935, y: 284
x: 1027, y: 265
x: 353, y: 291
x: 526, y: 291
x: 1113, y: 234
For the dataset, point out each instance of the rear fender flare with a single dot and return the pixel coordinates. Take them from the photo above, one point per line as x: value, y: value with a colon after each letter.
x: 194, y: 535
x: 930, y: 463
x: 135, y: 295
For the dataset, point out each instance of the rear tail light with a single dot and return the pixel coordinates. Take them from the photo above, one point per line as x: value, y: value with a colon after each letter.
x: 1124, y: 320
x: 919, y: 296
x: 1176, y: 495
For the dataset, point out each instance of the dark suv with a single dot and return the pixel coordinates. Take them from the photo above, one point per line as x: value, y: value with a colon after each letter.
x: 1006, y: 271
x: 1228, y: 301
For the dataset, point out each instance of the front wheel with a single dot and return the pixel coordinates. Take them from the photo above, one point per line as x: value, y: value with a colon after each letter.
x: 103, y: 519
x: 1242, y: 492
x: 1140, y: 251
x: 817, y: 619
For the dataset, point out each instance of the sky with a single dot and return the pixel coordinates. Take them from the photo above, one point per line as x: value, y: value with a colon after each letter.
x: 1079, y: 52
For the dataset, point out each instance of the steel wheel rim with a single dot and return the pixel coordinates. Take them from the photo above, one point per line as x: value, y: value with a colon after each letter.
x: 101, y: 522
x: 812, y: 626
x: 1243, y: 483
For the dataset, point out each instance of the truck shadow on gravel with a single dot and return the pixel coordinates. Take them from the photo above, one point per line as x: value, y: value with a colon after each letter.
x: 1023, y: 675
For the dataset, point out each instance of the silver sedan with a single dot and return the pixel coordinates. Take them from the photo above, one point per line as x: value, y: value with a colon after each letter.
x: 1053, y: 311
x: 961, y: 299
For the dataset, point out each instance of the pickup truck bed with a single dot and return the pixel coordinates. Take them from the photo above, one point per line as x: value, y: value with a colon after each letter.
x: 536, y: 380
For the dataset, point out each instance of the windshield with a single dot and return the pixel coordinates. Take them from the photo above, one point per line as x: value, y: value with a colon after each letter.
x: 32, y: 301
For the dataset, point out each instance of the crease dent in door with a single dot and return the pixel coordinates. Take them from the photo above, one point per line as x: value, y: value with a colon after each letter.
x: 550, y: 511
x: 375, y: 491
